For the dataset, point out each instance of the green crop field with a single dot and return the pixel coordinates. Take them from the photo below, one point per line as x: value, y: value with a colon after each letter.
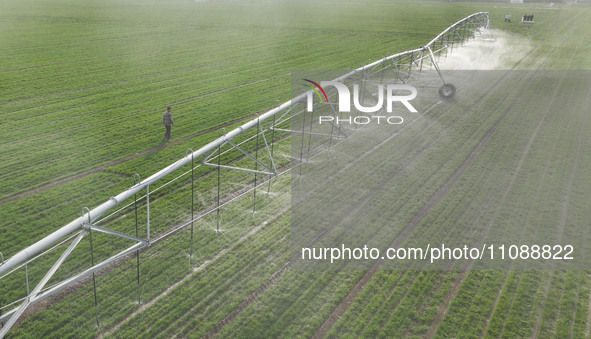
x: 82, y: 91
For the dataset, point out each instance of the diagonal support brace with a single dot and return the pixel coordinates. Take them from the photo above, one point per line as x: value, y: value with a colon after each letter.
x: 33, y: 296
x: 270, y: 171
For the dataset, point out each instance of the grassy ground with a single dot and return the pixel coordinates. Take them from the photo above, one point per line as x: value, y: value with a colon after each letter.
x: 84, y: 86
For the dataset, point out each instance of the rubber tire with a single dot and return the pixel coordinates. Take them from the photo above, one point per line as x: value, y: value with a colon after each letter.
x: 447, y: 91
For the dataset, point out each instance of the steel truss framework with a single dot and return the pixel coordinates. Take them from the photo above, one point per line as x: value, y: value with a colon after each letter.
x: 404, y: 67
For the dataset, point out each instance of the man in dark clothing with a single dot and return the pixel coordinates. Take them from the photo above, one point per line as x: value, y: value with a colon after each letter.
x: 168, y: 122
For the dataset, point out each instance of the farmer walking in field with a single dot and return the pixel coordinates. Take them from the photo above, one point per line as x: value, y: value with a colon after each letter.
x: 168, y: 122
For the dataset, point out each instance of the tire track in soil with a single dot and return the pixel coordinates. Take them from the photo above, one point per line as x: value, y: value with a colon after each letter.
x: 586, y: 109
x: 149, y: 151
x: 398, y: 243
x: 51, y: 299
x: 268, y: 283
x: 70, y: 130
x: 366, y: 278
x: 459, y: 280
x: 174, y: 230
x: 159, y: 75
x: 184, y: 317
x: 107, y: 56
x: 565, y: 203
x: 251, y: 298
x: 275, y: 276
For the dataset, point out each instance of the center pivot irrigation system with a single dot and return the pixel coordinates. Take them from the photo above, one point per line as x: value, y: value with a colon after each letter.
x: 402, y: 68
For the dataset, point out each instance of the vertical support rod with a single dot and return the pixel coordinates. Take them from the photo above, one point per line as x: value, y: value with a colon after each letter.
x: 92, y: 265
x: 148, y: 211
x: 332, y: 126
x: 302, y: 145
x: 272, y: 147
x: 27, y: 278
x: 435, y: 63
x: 137, y: 253
x: 256, y: 167
x: 310, y: 134
x: 192, y: 201
x: 464, y: 32
x: 363, y: 90
x: 217, y: 229
x: 421, y: 63
x: 446, y: 43
x: 412, y: 59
